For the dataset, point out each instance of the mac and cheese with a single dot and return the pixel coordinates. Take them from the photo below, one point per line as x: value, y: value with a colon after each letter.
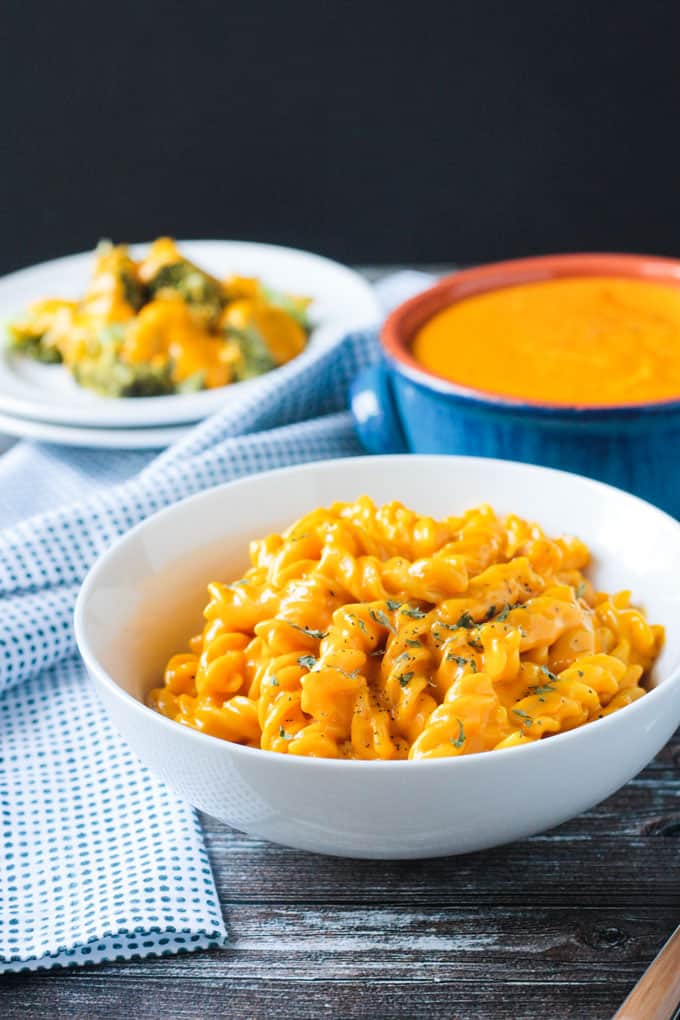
x: 376, y: 633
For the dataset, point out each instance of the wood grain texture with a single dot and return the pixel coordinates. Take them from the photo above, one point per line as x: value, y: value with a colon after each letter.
x: 561, y: 926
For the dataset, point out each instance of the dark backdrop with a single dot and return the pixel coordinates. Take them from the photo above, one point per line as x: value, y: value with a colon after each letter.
x: 428, y: 131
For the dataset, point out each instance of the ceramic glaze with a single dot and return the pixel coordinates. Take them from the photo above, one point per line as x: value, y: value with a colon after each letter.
x: 400, y: 406
x: 147, y: 591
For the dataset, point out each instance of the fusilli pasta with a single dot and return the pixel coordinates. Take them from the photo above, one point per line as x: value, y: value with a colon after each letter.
x: 376, y: 633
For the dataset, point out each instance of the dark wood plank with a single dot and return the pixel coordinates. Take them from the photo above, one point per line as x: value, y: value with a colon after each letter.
x: 603, y: 873
x: 290, y: 960
x: 624, y: 851
x: 559, y: 925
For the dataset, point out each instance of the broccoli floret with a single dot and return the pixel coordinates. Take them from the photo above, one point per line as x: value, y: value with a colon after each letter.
x: 134, y: 292
x: 193, y: 384
x: 106, y: 374
x: 33, y: 347
x: 296, y: 307
x: 147, y: 382
x: 255, y: 357
x: 198, y: 289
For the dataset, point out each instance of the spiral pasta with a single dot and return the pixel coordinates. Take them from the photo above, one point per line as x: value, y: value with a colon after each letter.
x: 377, y: 633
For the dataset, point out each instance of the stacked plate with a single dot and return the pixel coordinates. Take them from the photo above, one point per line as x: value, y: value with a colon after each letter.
x: 43, y: 402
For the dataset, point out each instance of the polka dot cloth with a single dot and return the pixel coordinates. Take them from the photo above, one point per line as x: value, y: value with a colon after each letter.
x: 99, y: 861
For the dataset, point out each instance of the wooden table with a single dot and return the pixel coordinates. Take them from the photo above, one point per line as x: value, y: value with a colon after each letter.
x: 561, y: 925
x: 558, y: 926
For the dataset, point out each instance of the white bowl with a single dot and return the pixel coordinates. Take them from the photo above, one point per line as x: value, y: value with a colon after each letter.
x: 143, y: 598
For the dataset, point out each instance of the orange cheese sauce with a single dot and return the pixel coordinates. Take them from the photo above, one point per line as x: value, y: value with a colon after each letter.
x: 577, y: 340
x: 166, y: 328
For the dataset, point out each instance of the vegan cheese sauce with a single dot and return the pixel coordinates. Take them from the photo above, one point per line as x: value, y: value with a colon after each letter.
x: 575, y: 340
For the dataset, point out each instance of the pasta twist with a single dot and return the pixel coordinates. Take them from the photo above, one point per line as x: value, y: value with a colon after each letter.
x: 378, y: 633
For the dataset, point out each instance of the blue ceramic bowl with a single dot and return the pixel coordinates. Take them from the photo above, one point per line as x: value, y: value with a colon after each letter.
x: 399, y: 406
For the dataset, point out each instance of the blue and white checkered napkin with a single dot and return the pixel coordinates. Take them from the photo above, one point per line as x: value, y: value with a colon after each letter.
x: 98, y: 860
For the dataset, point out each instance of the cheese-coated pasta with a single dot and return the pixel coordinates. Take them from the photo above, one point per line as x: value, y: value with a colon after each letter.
x: 376, y: 633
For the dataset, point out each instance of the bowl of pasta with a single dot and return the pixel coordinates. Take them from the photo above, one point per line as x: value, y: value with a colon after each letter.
x: 392, y: 657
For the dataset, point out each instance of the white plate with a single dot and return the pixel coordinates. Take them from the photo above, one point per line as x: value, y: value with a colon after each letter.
x: 342, y: 301
x: 105, y: 439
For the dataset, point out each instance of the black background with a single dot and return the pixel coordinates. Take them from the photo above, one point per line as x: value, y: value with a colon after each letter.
x: 431, y: 131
